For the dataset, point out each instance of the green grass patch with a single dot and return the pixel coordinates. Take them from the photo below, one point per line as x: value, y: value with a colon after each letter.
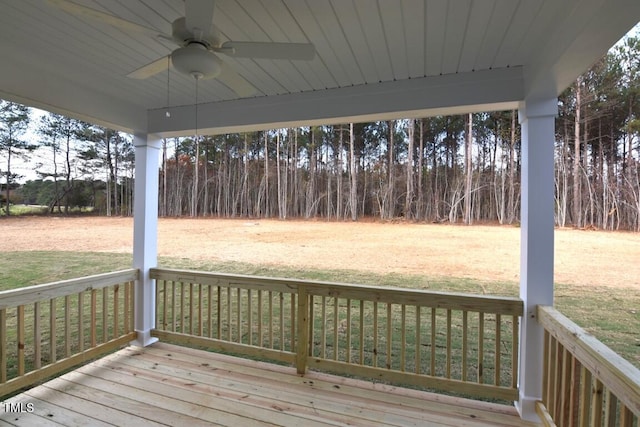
x: 29, y: 210
x: 17, y: 210
x: 19, y: 269
x: 611, y: 314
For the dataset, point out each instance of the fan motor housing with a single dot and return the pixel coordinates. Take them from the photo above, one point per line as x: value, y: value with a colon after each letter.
x: 195, y: 60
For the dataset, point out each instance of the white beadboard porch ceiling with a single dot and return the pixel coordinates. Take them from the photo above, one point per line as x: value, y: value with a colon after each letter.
x: 62, y: 62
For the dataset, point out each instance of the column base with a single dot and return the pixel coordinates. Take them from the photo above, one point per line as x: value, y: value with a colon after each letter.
x: 526, y: 407
x: 144, y: 339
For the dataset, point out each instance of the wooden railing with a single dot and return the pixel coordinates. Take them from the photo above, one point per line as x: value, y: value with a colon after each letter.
x: 49, y: 328
x: 458, y: 343
x: 585, y: 383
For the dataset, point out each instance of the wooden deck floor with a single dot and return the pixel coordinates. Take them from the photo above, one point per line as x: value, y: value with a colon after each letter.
x: 171, y: 385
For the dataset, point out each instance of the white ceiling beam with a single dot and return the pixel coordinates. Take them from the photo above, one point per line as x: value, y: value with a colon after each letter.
x: 448, y: 94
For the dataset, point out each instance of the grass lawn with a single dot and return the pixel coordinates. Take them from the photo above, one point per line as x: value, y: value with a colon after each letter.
x: 611, y: 314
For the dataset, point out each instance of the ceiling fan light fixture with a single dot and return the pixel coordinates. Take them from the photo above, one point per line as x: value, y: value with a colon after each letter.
x: 195, y: 60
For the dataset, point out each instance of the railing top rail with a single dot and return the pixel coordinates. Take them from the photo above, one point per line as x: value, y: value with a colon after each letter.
x: 616, y: 373
x: 482, y: 303
x: 32, y: 294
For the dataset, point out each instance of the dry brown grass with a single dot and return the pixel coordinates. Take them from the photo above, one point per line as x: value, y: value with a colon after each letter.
x: 488, y: 253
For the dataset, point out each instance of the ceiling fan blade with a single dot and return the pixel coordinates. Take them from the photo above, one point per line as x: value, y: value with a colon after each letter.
x: 96, y: 15
x: 235, y: 81
x: 199, y: 14
x: 261, y: 50
x: 151, y: 69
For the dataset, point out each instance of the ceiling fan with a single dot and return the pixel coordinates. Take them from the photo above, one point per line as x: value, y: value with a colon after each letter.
x: 198, y: 44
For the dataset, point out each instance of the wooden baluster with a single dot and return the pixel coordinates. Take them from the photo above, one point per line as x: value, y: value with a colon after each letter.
x: 389, y: 336
x: 200, y: 311
x: 210, y: 311
x: 335, y: 328
x: 626, y: 416
x: 432, y: 371
x: 181, y: 325
x: 37, y: 337
x: 271, y: 319
x: 311, y: 324
x: 81, y: 321
x: 219, y: 313
x: 105, y: 314
x: 545, y: 368
x: 260, y: 339
x: 239, y: 313
x: 127, y: 312
x: 323, y: 336
x: 480, y: 348
x: 250, y: 315
x: 348, y: 331
x: 418, y: 338
x: 281, y: 321
x: 3, y: 345
x: 465, y: 345
x: 553, y: 361
x: 375, y: 335
x: 565, y: 387
x: 292, y: 327
x: 191, y: 305
x: 302, y: 349
x: 449, y: 343
x: 174, y: 307
x: 596, y: 403
x: 228, y: 308
x: 52, y: 331
x: 610, y: 409
x: 498, y: 360
x: 67, y: 325
x: 361, y: 326
x: 574, y: 392
x: 403, y: 336
x: 116, y: 311
x: 585, y: 396
x: 94, y: 303
x: 163, y: 323
x: 514, y: 351
x: 21, y: 340
x: 557, y: 382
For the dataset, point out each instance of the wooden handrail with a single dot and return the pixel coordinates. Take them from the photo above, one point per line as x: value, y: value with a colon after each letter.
x: 446, y: 300
x: 33, y: 294
x: 619, y: 377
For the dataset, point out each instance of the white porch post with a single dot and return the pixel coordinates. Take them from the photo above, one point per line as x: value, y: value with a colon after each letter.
x: 537, y: 119
x: 145, y: 233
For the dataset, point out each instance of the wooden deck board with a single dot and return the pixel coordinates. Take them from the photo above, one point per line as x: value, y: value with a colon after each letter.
x: 171, y: 385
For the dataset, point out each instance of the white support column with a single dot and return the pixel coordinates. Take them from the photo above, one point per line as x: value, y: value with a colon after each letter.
x: 145, y: 233
x: 537, y: 119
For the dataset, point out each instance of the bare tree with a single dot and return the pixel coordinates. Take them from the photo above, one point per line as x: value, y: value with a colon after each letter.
x: 14, y: 119
x: 353, y: 188
x: 468, y: 141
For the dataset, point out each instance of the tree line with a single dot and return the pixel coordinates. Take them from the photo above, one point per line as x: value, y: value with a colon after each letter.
x: 446, y: 168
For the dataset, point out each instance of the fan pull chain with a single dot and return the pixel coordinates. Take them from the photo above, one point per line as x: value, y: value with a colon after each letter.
x: 197, y: 78
x: 168, y: 113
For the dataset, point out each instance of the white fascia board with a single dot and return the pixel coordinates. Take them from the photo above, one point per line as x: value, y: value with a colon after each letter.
x: 23, y: 83
x: 487, y: 90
